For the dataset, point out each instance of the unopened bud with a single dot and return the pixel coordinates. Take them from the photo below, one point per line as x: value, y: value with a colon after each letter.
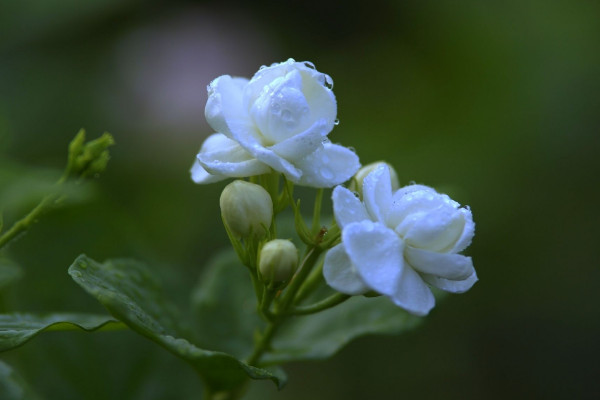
x: 357, y: 182
x: 87, y: 159
x: 278, y: 262
x: 246, y: 209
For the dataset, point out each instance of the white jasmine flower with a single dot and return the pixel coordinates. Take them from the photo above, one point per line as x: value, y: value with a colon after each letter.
x: 278, y: 120
x: 396, y: 243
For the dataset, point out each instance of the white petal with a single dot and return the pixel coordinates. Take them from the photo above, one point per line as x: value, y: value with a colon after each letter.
x: 320, y: 98
x: 281, y: 110
x: 376, y: 252
x: 220, y: 155
x: 275, y: 161
x: 347, y: 208
x: 340, y: 274
x: 377, y: 193
x: 435, y: 230
x: 200, y: 175
x: 302, y: 144
x: 468, y: 232
x: 328, y: 166
x: 443, y: 265
x: 411, y: 199
x: 450, y: 285
x: 412, y: 293
x: 224, y: 110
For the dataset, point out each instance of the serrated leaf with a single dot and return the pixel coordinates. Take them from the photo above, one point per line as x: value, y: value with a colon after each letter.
x: 9, y: 272
x: 13, y: 386
x: 17, y: 329
x: 131, y: 293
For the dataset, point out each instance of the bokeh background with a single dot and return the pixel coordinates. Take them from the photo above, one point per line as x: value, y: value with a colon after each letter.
x: 495, y: 103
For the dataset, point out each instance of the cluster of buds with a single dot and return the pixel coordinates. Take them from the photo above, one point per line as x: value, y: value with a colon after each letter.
x: 88, y: 159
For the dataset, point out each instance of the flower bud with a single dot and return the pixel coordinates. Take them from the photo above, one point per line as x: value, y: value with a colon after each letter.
x: 88, y: 159
x: 278, y: 262
x: 247, y: 209
x: 357, y: 182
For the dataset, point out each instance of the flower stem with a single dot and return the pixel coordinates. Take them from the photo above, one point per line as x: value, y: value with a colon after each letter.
x: 24, y: 223
x: 324, y: 304
x: 264, y: 342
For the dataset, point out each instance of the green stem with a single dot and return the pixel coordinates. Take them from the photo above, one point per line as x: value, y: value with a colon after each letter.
x: 316, y: 225
x: 264, y: 342
x: 305, y: 268
x: 324, y: 304
x: 267, y: 298
x: 24, y: 223
x: 310, y: 284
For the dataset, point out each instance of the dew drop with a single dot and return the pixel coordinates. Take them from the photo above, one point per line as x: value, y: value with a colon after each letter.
x: 326, y: 173
x: 262, y: 67
x: 352, y: 149
x: 310, y: 65
x: 328, y: 82
x: 336, y: 122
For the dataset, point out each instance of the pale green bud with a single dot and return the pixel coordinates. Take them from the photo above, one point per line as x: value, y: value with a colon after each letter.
x: 278, y: 262
x: 87, y: 159
x: 246, y: 209
x: 357, y: 182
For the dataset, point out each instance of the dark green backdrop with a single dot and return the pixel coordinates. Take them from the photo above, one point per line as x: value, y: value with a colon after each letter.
x: 495, y: 103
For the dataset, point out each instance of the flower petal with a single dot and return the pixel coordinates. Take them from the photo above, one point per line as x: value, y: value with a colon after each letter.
x: 376, y: 252
x: 340, y: 274
x: 435, y: 230
x: 411, y: 199
x: 443, y: 265
x: 225, y: 111
x: 377, y: 193
x: 302, y: 144
x: 200, y: 175
x: 281, y: 110
x: 468, y: 231
x: 412, y: 293
x: 275, y: 161
x: 328, y: 166
x: 450, y: 285
x: 347, y: 208
x: 220, y: 155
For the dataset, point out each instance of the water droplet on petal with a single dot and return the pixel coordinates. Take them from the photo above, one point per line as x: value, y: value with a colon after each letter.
x: 328, y: 82
x: 326, y: 173
x: 310, y: 65
x: 336, y: 122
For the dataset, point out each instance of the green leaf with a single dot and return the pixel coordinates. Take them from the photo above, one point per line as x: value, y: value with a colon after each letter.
x: 17, y: 329
x: 9, y: 272
x: 13, y: 386
x: 224, y: 307
x: 132, y: 294
x: 321, y: 335
x: 225, y: 294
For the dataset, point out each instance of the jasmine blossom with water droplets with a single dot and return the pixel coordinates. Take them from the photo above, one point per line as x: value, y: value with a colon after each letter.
x: 278, y: 120
x: 397, y: 242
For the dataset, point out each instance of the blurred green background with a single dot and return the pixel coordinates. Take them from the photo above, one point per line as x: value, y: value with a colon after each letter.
x: 495, y: 103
